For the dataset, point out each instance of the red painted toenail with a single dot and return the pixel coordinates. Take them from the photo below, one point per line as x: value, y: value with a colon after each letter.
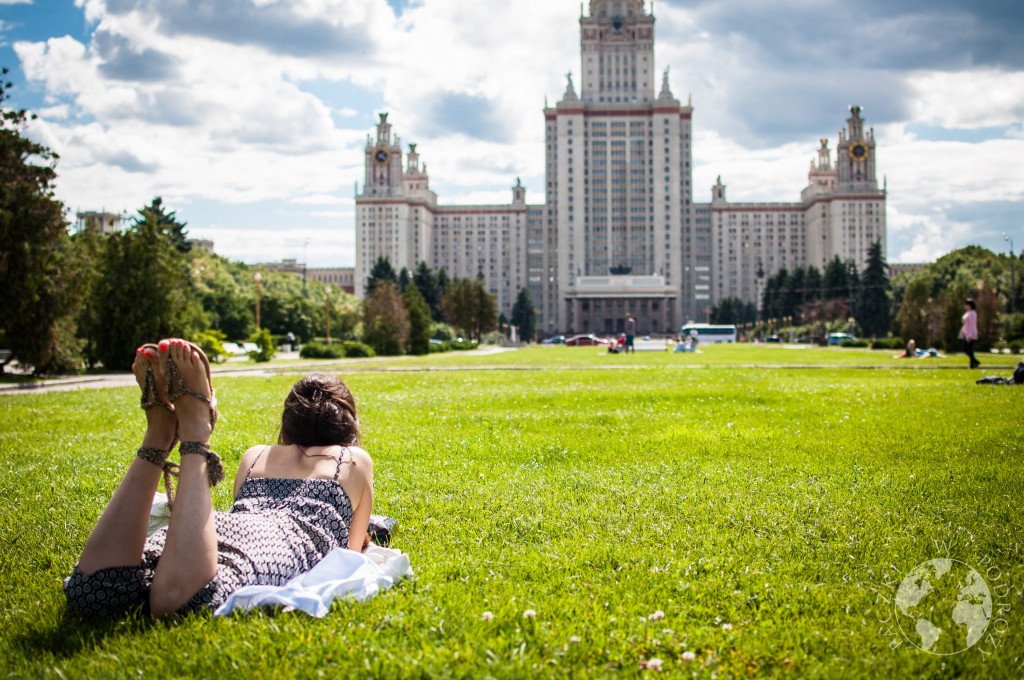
x: 163, y: 345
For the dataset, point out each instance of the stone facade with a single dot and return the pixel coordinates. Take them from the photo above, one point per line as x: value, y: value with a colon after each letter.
x: 618, y: 230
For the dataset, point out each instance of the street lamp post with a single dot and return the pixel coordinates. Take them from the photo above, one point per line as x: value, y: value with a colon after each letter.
x: 1013, y: 280
x: 327, y: 292
x: 305, y: 248
x: 258, y: 279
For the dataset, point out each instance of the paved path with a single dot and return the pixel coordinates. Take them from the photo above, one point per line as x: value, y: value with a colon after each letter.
x: 234, y: 367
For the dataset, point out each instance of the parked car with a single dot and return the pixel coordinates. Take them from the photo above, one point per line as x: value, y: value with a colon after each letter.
x: 585, y: 340
x: 556, y: 340
x: 837, y: 338
x: 772, y: 338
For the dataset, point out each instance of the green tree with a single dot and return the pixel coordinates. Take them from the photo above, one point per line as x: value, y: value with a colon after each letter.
x: 793, y: 292
x: 385, y: 320
x: 836, y: 280
x: 732, y: 310
x: 381, y: 271
x: 427, y: 282
x: 419, y: 321
x: 39, y: 299
x: 470, y: 307
x: 873, y: 307
x: 524, y: 316
x: 142, y: 294
x: 168, y: 223
x: 346, y: 312
x: 226, y: 292
x: 812, y: 284
x: 915, y: 310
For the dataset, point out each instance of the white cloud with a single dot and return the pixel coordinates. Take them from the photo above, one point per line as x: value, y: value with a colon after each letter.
x: 969, y: 99
x: 159, y: 103
x: 15, y: 2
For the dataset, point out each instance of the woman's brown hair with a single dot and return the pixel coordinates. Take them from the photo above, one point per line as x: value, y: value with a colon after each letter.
x: 319, y: 411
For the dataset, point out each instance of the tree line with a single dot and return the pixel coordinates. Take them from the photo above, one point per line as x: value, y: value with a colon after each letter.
x: 923, y: 304
x: 80, y: 299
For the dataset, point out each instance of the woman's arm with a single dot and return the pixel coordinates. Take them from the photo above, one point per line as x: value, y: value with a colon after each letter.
x: 361, y: 478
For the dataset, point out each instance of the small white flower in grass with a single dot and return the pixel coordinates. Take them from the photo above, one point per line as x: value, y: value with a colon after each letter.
x: 656, y: 616
x: 726, y: 626
x: 487, y: 616
x: 574, y: 639
x: 688, y: 656
x: 530, y: 614
x: 653, y: 664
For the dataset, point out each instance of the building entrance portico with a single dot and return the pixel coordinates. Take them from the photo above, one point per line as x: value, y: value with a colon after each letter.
x: 599, y: 304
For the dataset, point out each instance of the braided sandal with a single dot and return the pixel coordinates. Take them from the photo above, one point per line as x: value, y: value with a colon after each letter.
x: 177, y: 388
x: 170, y: 470
x: 150, y: 390
x: 214, y: 467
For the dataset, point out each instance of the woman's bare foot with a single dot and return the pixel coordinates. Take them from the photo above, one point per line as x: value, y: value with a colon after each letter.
x: 161, y: 423
x: 195, y: 423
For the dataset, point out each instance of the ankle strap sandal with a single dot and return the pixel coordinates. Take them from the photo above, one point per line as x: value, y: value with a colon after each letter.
x: 214, y: 467
x: 169, y: 469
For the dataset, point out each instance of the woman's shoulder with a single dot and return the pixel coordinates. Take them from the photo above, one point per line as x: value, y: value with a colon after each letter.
x: 359, y: 455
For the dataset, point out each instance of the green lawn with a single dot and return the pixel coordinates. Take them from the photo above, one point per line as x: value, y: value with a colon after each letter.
x: 770, y: 514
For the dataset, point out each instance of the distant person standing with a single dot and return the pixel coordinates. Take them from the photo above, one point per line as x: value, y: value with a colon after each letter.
x: 630, y: 333
x: 969, y: 330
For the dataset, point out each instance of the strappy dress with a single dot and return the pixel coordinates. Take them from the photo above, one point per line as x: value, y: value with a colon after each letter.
x: 276, y: 529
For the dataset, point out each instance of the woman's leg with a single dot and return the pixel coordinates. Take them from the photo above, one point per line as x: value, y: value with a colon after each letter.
x: 189, y: 559
x: 120, y: 533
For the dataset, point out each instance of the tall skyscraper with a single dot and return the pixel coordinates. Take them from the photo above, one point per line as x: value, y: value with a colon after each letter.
x: 618, y: 231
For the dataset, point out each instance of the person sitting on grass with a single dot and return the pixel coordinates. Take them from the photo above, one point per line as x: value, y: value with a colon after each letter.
x: 295, y: 501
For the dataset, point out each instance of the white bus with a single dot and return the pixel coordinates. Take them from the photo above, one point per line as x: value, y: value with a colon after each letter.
x: 708, y: 333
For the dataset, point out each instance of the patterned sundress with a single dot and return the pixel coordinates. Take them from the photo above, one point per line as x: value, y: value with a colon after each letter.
x: 276, y: 530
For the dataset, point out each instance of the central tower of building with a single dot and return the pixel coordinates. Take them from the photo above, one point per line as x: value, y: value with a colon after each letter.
x: 618, y: 191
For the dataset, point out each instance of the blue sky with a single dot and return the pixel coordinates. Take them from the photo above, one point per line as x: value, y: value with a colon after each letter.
x: 250, y: 116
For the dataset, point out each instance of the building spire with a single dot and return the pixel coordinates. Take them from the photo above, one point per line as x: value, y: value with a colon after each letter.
x: 570, y: 90
x: 666, y: 89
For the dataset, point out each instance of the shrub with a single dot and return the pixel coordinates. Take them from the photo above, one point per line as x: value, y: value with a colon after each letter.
x: 212, y: 344
x: 1016, y: 346
x: 459, y: 344
x: 265, y: 342
x: 358, y: 350
x: 854, y: 343
x: 319, y: 350
x: 888, y: 343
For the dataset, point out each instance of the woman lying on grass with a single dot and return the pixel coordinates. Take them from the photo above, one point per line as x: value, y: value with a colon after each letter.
x: 294, y: 501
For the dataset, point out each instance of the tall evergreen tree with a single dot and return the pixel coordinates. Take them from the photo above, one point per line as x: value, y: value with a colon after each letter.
x: 426, y: 281
x: 873, y: 307
x: 794, y: 292
x: 403, y: 280
x: 524, y: 316
x: 836, y: 283
x: 168, y: 222
x: 381, y: 271
x: 37, y: 304
x: 143, y: 293
x: 812, y: 284
x: 419, y: 321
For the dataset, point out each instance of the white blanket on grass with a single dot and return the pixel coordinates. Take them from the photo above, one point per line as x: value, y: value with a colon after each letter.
x: 341, y: 573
